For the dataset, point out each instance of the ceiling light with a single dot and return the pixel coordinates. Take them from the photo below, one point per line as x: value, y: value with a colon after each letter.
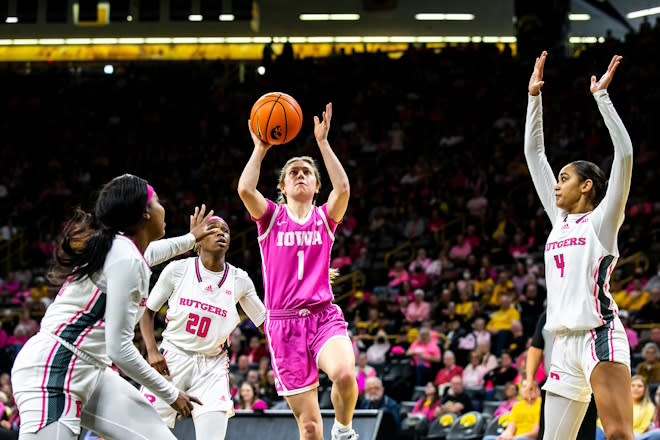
x: 579, y: 17
x: 329, y: 17
x: 643, y: 12
x: 455, y: 17
x: 226, y: 17
x: 11, y: 20
x: 195, y: 17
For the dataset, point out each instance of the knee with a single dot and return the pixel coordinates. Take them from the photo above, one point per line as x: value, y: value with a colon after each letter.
x: 344, y: 378
x: 310, y: 428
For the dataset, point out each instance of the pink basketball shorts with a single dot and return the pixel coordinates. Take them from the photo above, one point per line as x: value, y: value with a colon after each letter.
x: 295, y: 340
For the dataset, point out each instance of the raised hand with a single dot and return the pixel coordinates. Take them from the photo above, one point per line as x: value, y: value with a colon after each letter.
x: 606, y: 79
x: 536, y: 80
x: 321, y: 127
x: 199, y: 226
x: 255, y: 139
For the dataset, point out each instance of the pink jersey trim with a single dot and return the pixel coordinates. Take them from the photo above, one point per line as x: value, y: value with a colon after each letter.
x: 612, y: 341
x: 600, y: 315
x: 270, y: 348
x: 79, y: 312
x: 68, y: 383
x: 136, y: 248
x: 593, y: 337
x: 582, y: 218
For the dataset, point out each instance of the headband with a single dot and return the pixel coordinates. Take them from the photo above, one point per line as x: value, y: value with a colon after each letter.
x: 150, y: 193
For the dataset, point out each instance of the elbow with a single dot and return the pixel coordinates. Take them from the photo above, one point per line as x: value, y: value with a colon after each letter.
x: 244, y: 190
x: 113, y: 348
x: 114, y: 353
x: 343, y: 189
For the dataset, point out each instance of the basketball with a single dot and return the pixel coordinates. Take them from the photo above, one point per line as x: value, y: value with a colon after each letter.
x: 276, y: 118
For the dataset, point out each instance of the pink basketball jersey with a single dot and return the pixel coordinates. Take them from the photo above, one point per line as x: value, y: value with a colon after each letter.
x: 295, y: 257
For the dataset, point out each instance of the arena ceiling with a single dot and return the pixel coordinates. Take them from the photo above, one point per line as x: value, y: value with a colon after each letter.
x: 281, y: 18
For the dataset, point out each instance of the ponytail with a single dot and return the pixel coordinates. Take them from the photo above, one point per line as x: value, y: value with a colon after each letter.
x: 87, y: 237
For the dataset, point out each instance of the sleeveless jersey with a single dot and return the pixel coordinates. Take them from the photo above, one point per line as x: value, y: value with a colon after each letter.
x: 578, y: 269
x: 201, y: 308
x: 295, y: 257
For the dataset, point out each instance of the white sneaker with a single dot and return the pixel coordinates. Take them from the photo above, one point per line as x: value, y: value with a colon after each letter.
x: 347, y: 435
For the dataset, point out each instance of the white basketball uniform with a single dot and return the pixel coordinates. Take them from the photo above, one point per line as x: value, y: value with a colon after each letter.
x: 61, y: 375
x: 201, y: 315
x: 580, y: 255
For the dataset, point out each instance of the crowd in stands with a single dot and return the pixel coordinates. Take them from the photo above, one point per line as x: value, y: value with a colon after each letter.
x: 432, y: 143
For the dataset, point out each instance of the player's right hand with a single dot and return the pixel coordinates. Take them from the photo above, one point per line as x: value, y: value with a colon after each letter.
x: 183, y: 404
x: 255, y: 139
x: 157, y: 361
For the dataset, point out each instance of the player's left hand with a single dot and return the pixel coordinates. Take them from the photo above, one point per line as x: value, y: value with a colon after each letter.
x: 199, y: 226
x: 321, y: 127
x: 606, y: 79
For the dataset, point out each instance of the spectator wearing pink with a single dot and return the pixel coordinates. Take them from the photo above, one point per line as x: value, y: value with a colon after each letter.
x: 474, y: 372
x: 461, y: 249
x: 26, y: 324
x: 511, y: 396
x: 9, y: 286
x: 488, y: 359
x: 397, y: 275
x: 449, y: 370
x: 519, y: 248
x: 418, y: 278
x: 363, y: 371
x: 435, y: 223
x: 342, y: 261
x: 423, y: 351
x: 418, y: 310
x: 483, y: 335
x: 472, y: 237
x: 434, y: 270
x: 631, y: 334
x: 429, y: 403
x: 247, y: 398
x: 420, y: 260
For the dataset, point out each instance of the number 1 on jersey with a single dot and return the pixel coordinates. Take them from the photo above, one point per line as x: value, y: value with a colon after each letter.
x: 559, y: 261
x: 301, y: 264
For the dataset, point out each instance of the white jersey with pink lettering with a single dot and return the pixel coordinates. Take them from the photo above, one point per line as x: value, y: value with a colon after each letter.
x: 201, y: 304
x: 581, y: 250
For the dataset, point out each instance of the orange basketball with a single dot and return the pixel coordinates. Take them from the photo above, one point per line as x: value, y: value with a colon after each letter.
x: 276, y: 118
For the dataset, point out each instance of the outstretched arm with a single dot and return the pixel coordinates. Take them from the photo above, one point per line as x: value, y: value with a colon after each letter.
x: 341, y: 189
x: 611, y: 210
x: 537, y: 162
x: 253, y: 200
x: 160, y: 251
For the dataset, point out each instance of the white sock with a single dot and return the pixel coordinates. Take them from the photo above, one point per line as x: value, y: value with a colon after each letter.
x: 342, y: 428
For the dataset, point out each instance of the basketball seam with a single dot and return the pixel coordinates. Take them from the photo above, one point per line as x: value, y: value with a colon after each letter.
x: 256, y: 110
x: 269, y: 115
x: 286, y: 123
x: 294, y: 107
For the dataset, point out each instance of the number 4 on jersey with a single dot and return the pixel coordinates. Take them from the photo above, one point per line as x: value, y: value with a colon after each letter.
x: 559, y: 261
